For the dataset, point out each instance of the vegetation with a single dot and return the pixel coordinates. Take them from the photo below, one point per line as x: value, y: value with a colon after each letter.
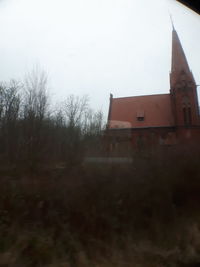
x: 56, y: 210
x: 33, y: 133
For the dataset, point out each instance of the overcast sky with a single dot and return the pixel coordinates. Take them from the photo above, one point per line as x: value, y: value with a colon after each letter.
x: 96, y: 47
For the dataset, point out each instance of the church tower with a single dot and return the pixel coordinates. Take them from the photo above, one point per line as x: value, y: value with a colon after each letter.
x: 183, y: 89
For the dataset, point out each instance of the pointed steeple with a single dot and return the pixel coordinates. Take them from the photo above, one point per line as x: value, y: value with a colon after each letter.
x: 179, y: 66
x: 179, y: 61
x: 182, y: 87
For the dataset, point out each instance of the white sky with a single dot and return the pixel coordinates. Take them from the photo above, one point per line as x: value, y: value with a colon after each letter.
x: 96, y: 47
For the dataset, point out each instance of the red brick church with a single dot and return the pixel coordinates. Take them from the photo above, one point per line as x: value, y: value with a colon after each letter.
x: 164, y: 119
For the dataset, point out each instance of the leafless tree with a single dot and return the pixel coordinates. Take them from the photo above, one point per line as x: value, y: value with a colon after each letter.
x: 93, y: 122
x: 93, y: 132
x: 75, y: 108
x: 35, y: 94
x: 31, y: 135
x: 9, y: 100
x: 9, y: 114
x: 35, y: 114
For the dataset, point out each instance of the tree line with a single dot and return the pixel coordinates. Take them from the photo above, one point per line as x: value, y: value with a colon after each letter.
x: 33, y: 132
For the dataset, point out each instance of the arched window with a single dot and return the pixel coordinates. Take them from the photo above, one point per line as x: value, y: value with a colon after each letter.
x: 187, y: 115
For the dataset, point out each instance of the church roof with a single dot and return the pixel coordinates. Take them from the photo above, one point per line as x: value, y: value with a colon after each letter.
x: 141, y: 111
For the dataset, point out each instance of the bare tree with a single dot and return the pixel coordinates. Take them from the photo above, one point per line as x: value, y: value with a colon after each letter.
x: 35, y: 94
x: 35, y: 113
x: 9, y: 114
x: 2, y: 90
x: 93, y: 122
x: 9, y: 100
x: 31, y: 135
x: 93, y: 130
x: 75, y: 108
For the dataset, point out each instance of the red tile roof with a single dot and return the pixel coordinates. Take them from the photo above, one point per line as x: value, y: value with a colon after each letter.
x: 156, y: 110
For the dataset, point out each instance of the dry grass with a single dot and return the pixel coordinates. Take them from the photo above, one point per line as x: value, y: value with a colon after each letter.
x: 142, y: 215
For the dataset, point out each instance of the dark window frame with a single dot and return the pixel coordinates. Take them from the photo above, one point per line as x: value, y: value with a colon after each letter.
x: 140, y: 118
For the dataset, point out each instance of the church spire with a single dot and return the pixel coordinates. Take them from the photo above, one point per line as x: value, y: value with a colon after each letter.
x: 172, y: 21
x: 182, y: 87
x: 179, y: 61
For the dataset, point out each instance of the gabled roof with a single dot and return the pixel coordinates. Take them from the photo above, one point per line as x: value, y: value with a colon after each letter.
x: 127, y: 112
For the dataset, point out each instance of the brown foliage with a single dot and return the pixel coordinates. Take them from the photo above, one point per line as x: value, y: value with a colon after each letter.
x: 148, y: 210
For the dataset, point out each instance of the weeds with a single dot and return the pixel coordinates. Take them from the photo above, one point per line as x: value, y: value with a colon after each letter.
x: 145, y: 214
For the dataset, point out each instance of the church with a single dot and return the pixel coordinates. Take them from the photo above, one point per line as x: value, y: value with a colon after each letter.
x: 162, y: 119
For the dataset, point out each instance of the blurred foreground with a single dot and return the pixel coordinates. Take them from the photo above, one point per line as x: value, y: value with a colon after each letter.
x: 145, y: 213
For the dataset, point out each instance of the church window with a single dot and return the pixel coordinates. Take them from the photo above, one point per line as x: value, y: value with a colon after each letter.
x: 140, y: 115
x: 187, y: 115
x: 140, y: 118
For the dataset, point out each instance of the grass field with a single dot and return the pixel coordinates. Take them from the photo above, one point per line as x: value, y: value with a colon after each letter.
x: 141, y: 214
